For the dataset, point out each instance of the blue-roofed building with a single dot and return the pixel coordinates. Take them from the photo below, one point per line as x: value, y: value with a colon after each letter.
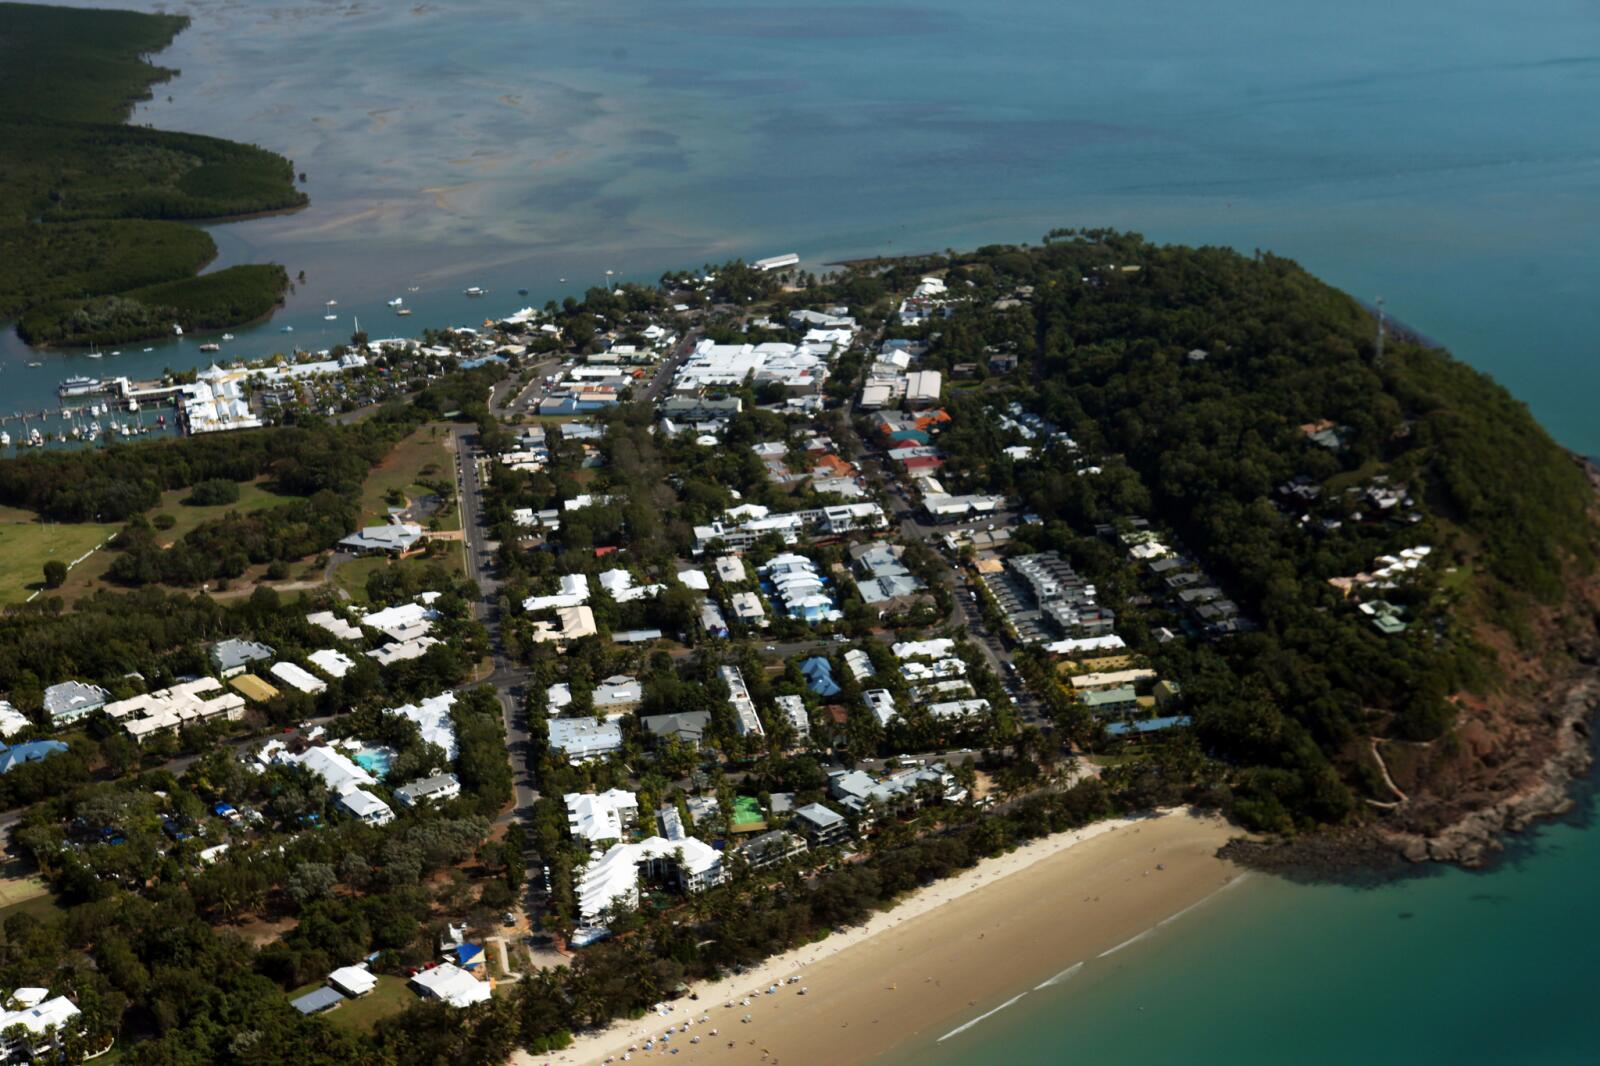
x: 818, y: 672
x: 32, y: 751
x: 317, y: 1001
x: 1149, y: 725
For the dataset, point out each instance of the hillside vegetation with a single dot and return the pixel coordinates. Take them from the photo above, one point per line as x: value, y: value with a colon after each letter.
x: 92, y: 209
x: 1194, y: 378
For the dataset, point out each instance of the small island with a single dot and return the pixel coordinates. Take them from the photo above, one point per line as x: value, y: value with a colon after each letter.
x: 96, y: 245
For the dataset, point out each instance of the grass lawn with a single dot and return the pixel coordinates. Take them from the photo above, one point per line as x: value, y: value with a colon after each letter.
x: 24, y: 892
x: 352, y: 576
x: 390, y: 997
x: 90, y: 574
x: 424, y: 454
x: 26, y: 544
x: 253, y: 496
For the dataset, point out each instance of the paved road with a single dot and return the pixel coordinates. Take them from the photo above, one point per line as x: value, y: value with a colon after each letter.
x: 509, y: 680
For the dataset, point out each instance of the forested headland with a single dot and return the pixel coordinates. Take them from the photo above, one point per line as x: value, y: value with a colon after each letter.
x: 1246, y: 406
x: 95, y: 240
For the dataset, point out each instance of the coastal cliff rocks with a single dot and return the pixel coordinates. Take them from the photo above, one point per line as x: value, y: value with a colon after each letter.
x: 1473, y: 838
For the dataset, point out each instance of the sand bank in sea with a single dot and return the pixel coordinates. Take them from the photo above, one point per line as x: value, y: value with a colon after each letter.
x: 946, y: 955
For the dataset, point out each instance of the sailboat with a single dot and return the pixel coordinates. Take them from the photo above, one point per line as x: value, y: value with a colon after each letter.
x: 177, y: 329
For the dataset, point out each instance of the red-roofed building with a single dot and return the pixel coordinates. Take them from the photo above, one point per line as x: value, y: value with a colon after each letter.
x: 834, y: 467
x: 919, y: 463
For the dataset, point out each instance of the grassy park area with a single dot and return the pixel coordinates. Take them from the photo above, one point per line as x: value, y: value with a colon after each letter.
x: 26, y: 544
x: 390, y: 997
x: 423, y: 456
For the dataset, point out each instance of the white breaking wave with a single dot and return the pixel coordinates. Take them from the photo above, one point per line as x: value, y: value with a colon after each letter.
x: 963, y: 1028
x: 1125, y: 943
x: 1064, y: 975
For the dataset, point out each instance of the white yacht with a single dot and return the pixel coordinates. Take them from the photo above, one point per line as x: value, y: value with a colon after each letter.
x: 474, y: 290
x: 5, y: 439
x: 177, y: 329
x: 397, y: 301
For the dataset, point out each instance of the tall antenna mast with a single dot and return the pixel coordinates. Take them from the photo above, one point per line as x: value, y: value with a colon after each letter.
x: 1378, y: 356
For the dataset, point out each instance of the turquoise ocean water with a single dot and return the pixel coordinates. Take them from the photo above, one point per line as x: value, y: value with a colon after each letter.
x: 1444, y: 156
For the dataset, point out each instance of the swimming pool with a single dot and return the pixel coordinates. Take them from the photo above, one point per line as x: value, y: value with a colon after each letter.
x: 375, y: 759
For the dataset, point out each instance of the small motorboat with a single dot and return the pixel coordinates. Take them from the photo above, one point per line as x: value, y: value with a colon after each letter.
x: 227, y: 336
x: 522, y: 292
x: 397, y: 301
x: 474, y: 290
x: 211, y: 347
x: 287, y: 329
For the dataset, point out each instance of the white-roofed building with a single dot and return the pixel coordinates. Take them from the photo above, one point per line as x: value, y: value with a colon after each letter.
x: 859, y: 663
x: 406, y: 621
x: 613, y: 879
x: 453, y: 985
x: 332, y: 662
x: 353, y: 981
x: 582, y: 739
x: 186, y: 703
x: 619, y: 584
x: 744, y: 708
x: 337, y: 770
x: 937, y: 648
x: 1109, y: 642
x: 334, y: 624
x: 794, y: 712
x: 596, y: 816
x: 12, y: 721
x: 880, y: 701
x: 618, y: 692
x: 365, y: 806
x: 730, y: 569
x: 958, y: 708
x: 574, y: 591
x: 432, y: 718
x: 428, y: 790
x: 32, y: 1024
x: 298, y: 677
x: 401, y: 651
x: 747, y: 608
x: 694, y: 579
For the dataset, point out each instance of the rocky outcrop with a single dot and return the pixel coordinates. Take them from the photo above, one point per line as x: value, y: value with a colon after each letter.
x: 1472, y: 839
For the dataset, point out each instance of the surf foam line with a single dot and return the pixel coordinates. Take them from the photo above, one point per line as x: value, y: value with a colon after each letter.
x: 963, y: 1028
x: 1131, y: 940
x: 1065, y: 975
x: 1169, y: 919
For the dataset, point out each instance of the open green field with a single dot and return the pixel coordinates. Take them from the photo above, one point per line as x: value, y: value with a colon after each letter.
x: 424, y: 454
x: 390, y: 997
x: 86, y: 578
x: 253, y: 496
x: 24, y: 892
x: 352, y: 576
x: 26, y: 544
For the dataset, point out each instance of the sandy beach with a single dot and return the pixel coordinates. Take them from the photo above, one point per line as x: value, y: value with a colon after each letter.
x: 946, y: 955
